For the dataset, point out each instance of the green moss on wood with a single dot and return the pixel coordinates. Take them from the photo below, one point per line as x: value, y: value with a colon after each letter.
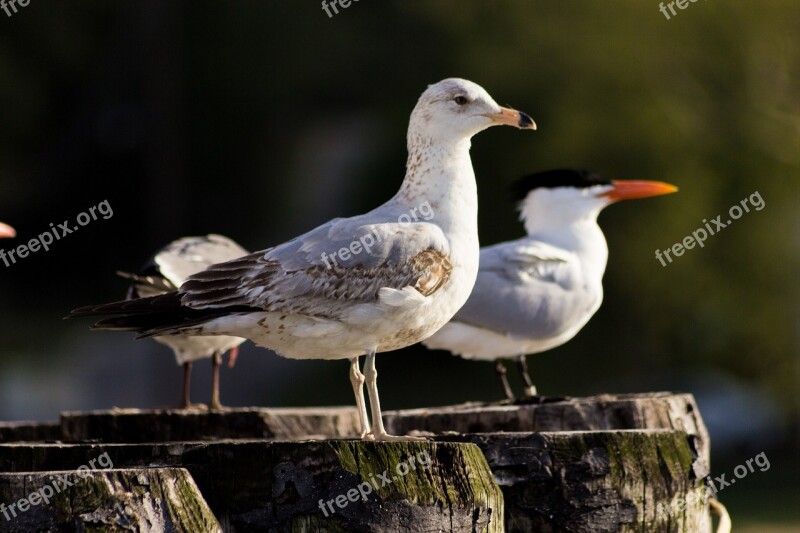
x: 119, y: 500
x: 457, y: 474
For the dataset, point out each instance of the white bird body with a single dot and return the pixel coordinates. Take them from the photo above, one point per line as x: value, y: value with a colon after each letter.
x: 168, y: 269
x: 394, y: 315
x: 164, y: 273
x: 536, y: 293
x: 188, y: 349
x: 305, y: 299
x: 548, y: 294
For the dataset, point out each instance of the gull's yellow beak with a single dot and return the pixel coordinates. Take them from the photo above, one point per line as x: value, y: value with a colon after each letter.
x: 512, y: 117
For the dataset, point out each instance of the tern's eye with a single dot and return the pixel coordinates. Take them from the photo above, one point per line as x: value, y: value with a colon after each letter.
x: 460, y: 100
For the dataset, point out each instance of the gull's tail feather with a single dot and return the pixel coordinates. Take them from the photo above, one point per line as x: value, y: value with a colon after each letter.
x: 152, y: 316
x: 137, y: 306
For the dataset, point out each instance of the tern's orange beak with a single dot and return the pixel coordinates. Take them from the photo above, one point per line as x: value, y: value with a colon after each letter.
x: 512, y: 117
x: 632, y: 189
x: 6, y: 231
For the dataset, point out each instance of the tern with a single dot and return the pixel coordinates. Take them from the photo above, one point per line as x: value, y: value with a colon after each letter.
x: 535, y: 293
x: 356, y: 286
x: 164, y: 273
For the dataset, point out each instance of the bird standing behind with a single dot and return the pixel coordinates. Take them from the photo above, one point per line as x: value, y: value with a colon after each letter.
x: 164, y: 273
x: 537, y: 292
x: 371, y: 283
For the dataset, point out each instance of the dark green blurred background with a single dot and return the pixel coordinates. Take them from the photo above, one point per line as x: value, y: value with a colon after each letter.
x: 261, y: 120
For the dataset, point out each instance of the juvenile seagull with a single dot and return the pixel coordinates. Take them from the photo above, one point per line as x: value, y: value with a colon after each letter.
x: 376, y: 295
x: 536, y: 293
x: 6, y: 231
x: 164, y: 273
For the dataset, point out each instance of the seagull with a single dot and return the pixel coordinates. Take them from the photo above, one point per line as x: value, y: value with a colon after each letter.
x: 7, y: 232
x: 164, y: 273
x: 537, y: 292
x: 356, y: 286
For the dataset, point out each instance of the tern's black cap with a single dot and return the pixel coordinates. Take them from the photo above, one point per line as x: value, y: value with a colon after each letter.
x: 551, y: 179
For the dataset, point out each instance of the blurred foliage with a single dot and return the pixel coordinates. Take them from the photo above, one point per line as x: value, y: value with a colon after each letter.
x: 264, y: 119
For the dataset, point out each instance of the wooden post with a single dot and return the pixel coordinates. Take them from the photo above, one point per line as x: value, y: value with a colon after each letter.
x: 632, y: 462
x: 144, y: 499
x: 29, y: 431
x: 598, y: 481
x: 334, y: 485
x: 162, y: 425
x: 626, y: 463
x: 658, y: 410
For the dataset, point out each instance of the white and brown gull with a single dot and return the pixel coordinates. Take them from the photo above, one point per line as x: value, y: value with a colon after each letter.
x: 164, y: 273
x: 386, y: 297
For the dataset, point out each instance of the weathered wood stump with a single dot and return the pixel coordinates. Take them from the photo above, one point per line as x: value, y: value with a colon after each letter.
x: 29, y: 431
x: 601, y: 463
x: 163, y: 425
x: 336, y: 485
x: 658, y: 410
x: 606, y: 463
x: 596, y: 481
x: 144, y: 499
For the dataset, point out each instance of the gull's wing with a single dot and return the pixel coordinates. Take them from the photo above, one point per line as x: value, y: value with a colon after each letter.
x: 527, y: 289
x: 329, y: 269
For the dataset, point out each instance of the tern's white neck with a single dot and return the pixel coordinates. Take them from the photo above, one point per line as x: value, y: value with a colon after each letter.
x: 571, y: 226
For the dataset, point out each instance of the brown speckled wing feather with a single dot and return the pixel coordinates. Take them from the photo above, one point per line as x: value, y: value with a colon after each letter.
x: 256, y: 281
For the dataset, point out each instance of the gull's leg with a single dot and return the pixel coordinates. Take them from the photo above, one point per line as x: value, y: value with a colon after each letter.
x: 378, y: 431
x: 500, y: 368
x: 187, y: 382
x: 216, y: 363
x: 530, y: 388
x: 357, y: 379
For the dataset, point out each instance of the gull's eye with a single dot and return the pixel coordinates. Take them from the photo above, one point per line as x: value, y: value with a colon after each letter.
x: 460, y: 100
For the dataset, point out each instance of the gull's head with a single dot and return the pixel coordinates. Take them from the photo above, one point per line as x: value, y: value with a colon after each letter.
x: 455, y: 109
x: 6, y: 231
x: 563, y: 196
